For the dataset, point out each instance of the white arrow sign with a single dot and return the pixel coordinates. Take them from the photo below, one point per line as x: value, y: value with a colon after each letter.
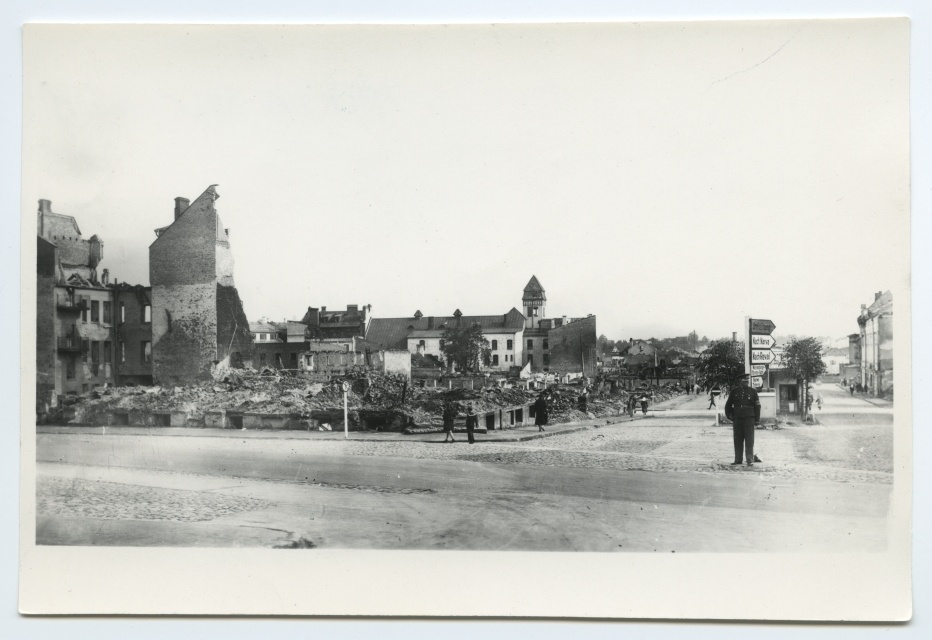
x: 762, y: 342
x: 758, y: 369
x: 762, y: 356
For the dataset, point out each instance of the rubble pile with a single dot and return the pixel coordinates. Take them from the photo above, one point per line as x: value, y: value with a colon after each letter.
x: 391, y: 398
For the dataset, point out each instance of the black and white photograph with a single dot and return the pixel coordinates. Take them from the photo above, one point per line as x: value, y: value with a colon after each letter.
x: 501, y: 306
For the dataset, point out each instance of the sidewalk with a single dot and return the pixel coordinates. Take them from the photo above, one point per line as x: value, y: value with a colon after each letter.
x: 519, y: 434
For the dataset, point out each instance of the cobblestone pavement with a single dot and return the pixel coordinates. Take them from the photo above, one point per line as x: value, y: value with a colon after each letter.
x: 78, y: 498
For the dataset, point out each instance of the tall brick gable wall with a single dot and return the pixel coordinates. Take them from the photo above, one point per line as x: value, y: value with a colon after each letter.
x: 573, y: 347
x: 198, y: 319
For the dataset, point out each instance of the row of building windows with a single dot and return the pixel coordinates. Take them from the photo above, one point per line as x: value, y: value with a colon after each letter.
x: 530, y: 344
x: 509, y: 345
x: 102, y: 351
x: 95, y: 311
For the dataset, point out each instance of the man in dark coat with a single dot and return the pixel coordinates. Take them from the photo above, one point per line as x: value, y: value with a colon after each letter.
x: 541, y: 411
x: 743, y: 409
x: 472, y: 421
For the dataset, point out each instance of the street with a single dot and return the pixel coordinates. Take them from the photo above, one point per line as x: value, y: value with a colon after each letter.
x: 658, y: 483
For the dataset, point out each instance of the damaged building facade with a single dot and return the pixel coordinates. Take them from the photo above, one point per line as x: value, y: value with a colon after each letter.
x: 83, y: 332
x: 198, y: 321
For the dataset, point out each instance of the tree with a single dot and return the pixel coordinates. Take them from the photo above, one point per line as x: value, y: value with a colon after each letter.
x: 466, y: 348
x: 803, y: 360
x: 721, y: 364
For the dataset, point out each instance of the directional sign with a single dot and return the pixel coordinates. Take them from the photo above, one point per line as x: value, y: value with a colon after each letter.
x: 762, y: 342
x: 758, y: 369
x: 757, y: 382
x: 345, y: 386
x: 762, y: 327
x: 762, y: 356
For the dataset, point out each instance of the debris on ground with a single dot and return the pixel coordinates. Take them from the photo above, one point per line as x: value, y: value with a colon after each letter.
x: 392, y: 398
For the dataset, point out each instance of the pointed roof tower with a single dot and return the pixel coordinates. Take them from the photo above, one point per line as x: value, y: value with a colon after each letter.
x: 534, y: 290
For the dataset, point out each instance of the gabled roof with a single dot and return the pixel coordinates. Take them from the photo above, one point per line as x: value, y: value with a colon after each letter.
x: 56, y: 224
x: 835, y: 351
x: 392, y: 333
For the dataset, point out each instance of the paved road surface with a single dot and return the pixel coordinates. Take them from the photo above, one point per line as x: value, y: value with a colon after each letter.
x: 661, y: 484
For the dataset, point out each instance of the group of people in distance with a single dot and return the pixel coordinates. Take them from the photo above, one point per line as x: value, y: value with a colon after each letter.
x: 742, y: 408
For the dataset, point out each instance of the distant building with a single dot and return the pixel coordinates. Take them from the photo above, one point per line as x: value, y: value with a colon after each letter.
x: 322, y: 324
x: 565, y: 345
x: 876, y: 345
x: 835, y: 359
x: 198, y: 321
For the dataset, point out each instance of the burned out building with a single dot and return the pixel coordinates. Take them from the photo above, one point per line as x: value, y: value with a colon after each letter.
x: 80, y: 326
x: 337, y: 323
x: 198, y: 321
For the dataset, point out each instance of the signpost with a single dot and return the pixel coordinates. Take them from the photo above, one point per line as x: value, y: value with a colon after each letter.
x: 345, y: 411
x: 757, y: 348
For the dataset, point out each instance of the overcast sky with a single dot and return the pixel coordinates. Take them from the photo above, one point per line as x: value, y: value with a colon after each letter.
x: 666, y: 177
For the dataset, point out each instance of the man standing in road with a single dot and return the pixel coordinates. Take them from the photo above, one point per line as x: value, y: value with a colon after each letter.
x: 540, y: 411
x: 472, y: 421
x: 743, y: 409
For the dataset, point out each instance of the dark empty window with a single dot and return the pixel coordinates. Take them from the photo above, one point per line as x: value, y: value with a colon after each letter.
x: 530, y: 344
x: 546, y: 344
x: 530, y: 359
x: 108, y: 348
x: 69, y: 369
x: 294, y: 360
x: 495, y: 345
x: 510, y: 345
x: 494, y: 359
x: 546, y: 359
x: 83, y: 309
x: 85, y: 347
x: 107, y: 311
x: 95, y: 311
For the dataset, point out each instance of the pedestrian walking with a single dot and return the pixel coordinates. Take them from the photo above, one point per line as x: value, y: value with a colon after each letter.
x: 584, y: 400
x: 541, y: 411
x: 743, y: 409
x: 630, y: 407
x: 449, y: 416
x: 472, y: 421
x: 851, y: 388
x: 644, y: 401
x: 714, y: 392
x: 819, y: 400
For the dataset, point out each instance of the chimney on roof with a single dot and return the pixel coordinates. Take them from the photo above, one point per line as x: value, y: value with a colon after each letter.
x: 323, y: 309
x: 430, y: 322
x: 877, y: 296
x: 180, y: 205
x: 352, y: 309
x: 45, y: 206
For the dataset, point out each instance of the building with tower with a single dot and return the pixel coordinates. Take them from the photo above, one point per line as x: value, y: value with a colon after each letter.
x: 530, y: 340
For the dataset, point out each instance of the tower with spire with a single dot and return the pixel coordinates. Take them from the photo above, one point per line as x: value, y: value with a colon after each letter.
x: 534, y: 302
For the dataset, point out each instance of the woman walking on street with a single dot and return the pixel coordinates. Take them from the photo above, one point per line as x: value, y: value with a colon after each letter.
x: 449, y: 415
x: 644, y: 401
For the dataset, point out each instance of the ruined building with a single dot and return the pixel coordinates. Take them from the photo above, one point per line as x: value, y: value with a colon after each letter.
x: 198, y: 322
x: 85, y: 336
